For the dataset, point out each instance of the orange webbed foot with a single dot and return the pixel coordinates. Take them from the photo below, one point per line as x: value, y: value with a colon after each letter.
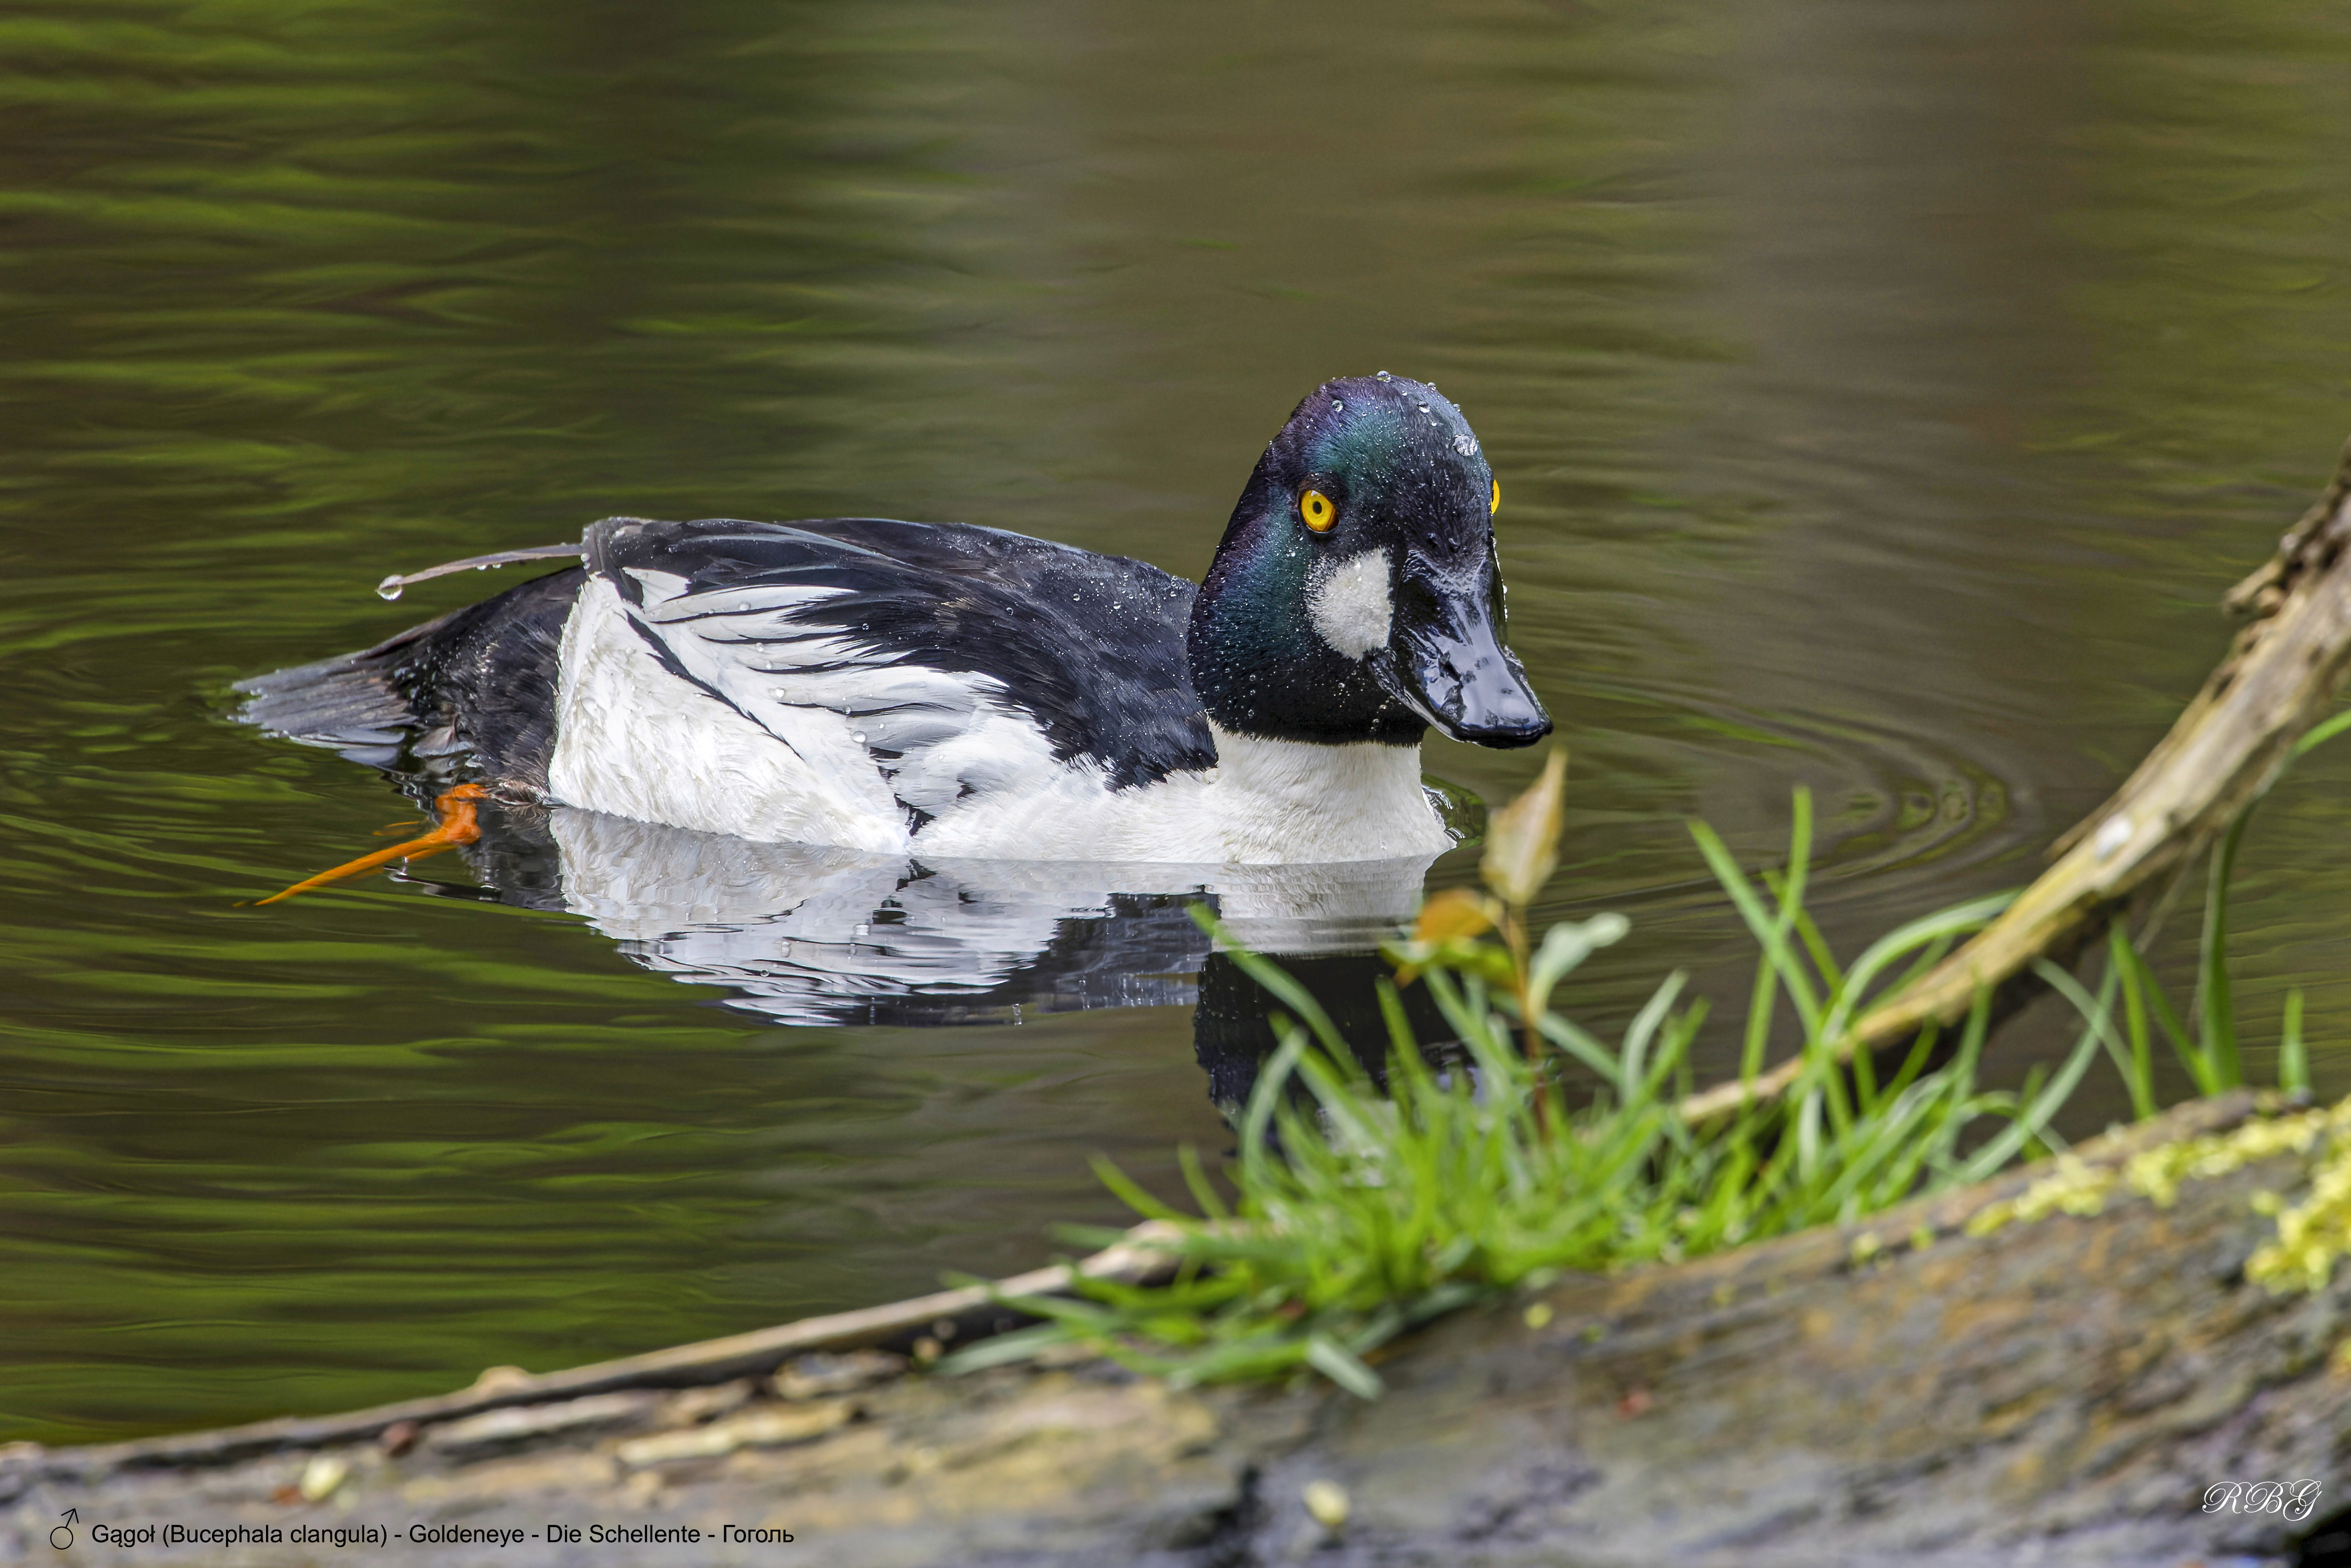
x: 457, y: 826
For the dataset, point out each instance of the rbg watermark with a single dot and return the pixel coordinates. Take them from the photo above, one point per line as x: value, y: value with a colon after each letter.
x: 2290, y: 1500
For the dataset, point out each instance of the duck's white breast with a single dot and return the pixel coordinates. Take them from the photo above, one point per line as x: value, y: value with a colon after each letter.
x: 1267, y: 802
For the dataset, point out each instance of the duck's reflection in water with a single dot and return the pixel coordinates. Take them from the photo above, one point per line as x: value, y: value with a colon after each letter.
x: 804, y: 933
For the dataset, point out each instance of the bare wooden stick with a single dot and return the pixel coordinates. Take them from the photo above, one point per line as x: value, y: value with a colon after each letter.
x: 2279, y: 678
x: 1143, y: 1255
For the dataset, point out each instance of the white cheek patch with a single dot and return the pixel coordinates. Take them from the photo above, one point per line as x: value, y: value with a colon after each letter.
x: 1348, y: 602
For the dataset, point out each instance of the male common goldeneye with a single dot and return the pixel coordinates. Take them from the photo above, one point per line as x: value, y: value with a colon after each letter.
x: 944, y: 689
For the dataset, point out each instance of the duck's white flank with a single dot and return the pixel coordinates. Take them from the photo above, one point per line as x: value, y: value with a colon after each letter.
x: 635, y: 740
x: 785, y: 758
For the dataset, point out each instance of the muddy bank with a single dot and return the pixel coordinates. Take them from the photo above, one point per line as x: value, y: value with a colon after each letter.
x: 2057, y: 1388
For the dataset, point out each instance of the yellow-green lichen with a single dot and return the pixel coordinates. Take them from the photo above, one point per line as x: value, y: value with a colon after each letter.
x: 2311, y: 1235
x: 2157, y: 1173
x: 2073, y: 1186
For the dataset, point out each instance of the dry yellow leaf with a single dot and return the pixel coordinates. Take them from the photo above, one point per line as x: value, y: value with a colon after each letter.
x: 1455, y: 912
x: 1522, y: 838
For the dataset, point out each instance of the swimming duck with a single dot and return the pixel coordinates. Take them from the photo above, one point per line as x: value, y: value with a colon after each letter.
x: 946, y: 689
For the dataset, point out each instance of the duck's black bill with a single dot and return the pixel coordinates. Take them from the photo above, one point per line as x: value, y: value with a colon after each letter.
x: 1448, y: 662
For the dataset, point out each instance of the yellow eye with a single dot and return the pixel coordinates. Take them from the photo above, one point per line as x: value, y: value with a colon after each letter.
x: 1494, y: 501
x: 1320, y: 514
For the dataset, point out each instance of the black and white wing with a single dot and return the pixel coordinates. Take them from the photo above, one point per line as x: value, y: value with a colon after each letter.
x: 939, y: 662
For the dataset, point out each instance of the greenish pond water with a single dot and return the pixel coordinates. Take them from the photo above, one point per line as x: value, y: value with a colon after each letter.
x: 1882, y: 394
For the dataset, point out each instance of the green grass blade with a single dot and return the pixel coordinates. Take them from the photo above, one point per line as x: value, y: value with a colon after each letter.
x: 1807, y: 930
x: 1263, y: 1098
x: 2294, y: 1057
x: 1273, y: 980
x: 2138, y: 1069
x: 2319, y: 734
x: 1769, y: 929
x: 2216, y: 1010
x: 1123, y: 1186
x: 2034, y: 1117
x: 2167, y: 1016
x: 1633, y: 1076
x: 1330, y: 1359
x: 1204, y: 1191
x: 1960, y: 919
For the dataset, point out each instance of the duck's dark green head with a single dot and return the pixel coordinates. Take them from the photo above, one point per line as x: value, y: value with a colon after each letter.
x: 1356, y: 595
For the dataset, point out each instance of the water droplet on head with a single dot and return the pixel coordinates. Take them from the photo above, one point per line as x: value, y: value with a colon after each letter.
x: 857, y: 736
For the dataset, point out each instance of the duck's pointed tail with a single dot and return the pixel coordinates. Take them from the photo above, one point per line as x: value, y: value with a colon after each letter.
x: 351, y: 705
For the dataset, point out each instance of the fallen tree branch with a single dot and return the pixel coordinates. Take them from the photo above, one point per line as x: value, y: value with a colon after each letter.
x: 1982, y: 1376
x: 2279, y: 678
